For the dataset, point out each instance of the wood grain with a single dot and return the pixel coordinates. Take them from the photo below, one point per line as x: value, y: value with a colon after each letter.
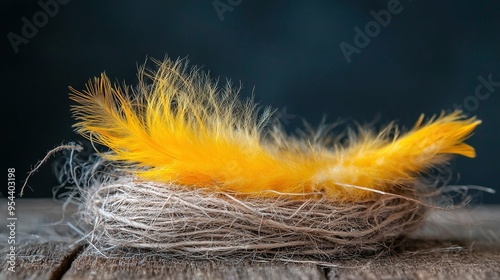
x: 462, y: 244
x: 427, y: 260
x: 48, y: 260
x: 135, y: 267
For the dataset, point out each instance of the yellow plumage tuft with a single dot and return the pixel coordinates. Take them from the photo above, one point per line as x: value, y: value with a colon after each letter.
x: 177, y: 126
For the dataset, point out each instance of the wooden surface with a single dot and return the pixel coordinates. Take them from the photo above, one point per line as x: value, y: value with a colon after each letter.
x: 460, y: 244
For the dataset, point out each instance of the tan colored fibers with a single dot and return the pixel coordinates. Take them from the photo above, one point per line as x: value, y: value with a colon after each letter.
x: 187, y: 223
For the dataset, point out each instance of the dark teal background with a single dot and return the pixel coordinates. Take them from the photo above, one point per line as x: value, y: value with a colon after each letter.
x: 428, y: 58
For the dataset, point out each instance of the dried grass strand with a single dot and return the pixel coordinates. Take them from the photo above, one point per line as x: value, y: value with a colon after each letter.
x: 121, y: 213
x: 197, y: 224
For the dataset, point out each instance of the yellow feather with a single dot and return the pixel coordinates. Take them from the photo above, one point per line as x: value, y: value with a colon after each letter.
x: 181, y: 128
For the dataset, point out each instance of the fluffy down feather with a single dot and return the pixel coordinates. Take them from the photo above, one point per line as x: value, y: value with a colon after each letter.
x: 178, y: 126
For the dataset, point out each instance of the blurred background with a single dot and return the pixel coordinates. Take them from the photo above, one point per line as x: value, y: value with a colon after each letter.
x: 353, y: 60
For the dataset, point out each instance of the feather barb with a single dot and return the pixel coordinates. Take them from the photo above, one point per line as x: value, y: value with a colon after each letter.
x: 178, y: 126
